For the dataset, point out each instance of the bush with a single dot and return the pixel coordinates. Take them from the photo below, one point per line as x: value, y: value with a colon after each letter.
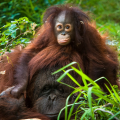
x: 16, y: 32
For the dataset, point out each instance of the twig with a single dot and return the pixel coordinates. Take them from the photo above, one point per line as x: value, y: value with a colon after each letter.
x: 13, y: 40
x: 106, y: 112
x: 107, y: 105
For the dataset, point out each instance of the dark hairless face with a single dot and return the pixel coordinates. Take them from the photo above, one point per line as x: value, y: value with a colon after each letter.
x: 64, y: 28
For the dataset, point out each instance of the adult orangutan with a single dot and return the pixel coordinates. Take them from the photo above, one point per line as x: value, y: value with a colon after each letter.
x: 66, y: 36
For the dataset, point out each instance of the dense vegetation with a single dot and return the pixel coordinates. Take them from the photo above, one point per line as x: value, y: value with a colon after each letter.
x: 19, y: 20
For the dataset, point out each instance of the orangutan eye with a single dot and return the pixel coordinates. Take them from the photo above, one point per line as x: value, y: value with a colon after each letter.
x: 59, y: 27
x: 68, y: 27
x: 46, y: 88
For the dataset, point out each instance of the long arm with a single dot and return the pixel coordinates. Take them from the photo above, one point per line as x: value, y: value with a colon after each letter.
x: 21, y: 72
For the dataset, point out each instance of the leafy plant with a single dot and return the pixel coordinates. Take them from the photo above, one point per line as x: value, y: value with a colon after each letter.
x: 18, y: 29
x: 16, y: 32
x: 32, y: 9
x: 101, y: 107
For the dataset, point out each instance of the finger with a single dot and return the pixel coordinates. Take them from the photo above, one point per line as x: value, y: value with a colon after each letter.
x: 7, y: 91
x: 16, y: 91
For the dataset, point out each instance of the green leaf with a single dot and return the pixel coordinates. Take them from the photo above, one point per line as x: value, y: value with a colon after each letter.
x: 90, y: 101
x: 61, y: 69
x: 85, y: 76
x: 73, y: 79
x: 63, y: 75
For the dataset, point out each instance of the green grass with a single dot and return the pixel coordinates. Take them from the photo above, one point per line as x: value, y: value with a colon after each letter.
x: 104, y: 107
